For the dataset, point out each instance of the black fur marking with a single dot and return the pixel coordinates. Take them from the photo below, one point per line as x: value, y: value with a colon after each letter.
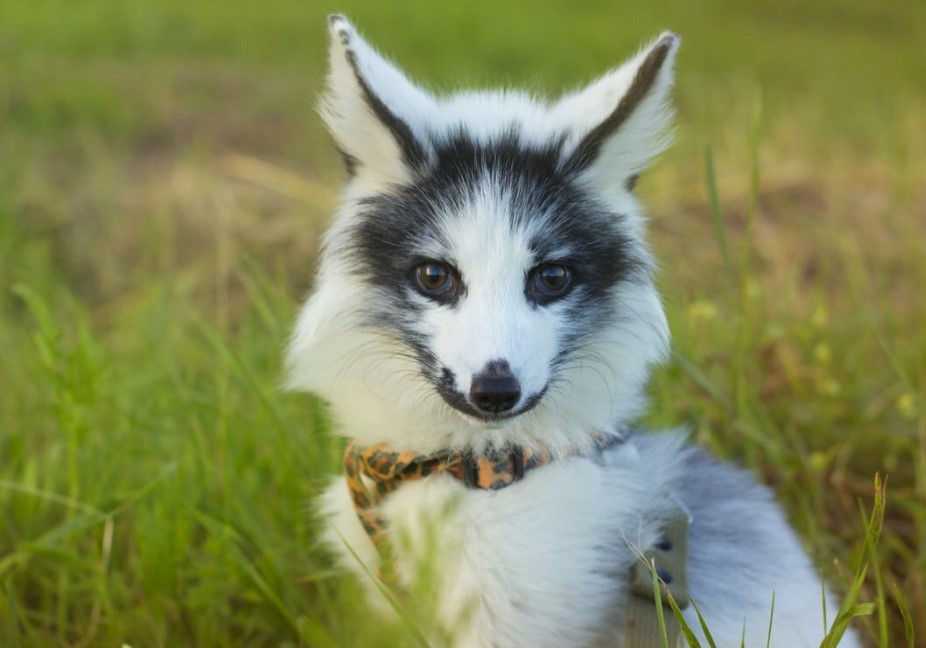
x: 588, y: 149
x: 400, y: 229
x: 412, y: 153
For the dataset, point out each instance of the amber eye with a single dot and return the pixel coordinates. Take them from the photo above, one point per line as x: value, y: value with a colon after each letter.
x: 549, y: 282
x: 435, y: 279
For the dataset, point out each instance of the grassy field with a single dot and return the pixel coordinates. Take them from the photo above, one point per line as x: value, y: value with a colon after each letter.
x: 164, y: 181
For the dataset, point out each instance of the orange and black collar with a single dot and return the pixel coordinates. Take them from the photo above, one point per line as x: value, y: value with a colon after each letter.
x: 387, y: 469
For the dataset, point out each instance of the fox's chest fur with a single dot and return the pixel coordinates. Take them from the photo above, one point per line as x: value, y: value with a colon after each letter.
x: 545, y: 561
x: 486, y: 285
x: 542, y: 562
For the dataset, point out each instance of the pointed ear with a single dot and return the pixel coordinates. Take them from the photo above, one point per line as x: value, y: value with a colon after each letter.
x: 620, y: 120
x: 371, y: 108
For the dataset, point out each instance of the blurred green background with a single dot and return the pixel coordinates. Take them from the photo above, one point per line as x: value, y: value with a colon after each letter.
x: 164, y: 180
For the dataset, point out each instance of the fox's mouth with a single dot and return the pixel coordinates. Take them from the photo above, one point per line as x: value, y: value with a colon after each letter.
x: 461, y: 403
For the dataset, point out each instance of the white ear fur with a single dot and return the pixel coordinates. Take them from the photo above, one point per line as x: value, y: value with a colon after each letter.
x: 372, y: 109
x: 621, y: 120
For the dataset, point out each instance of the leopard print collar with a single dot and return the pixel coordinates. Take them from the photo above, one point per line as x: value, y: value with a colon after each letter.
x: 387, y: 469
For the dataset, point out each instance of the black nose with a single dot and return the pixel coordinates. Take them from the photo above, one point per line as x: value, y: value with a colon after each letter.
x: 495, y: 389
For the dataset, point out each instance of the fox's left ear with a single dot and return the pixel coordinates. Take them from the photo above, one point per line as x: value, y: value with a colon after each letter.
x: 372, y: 109
x: 620, y: 122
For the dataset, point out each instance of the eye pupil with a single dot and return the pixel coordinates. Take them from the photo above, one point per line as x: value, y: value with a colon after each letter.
x: 554, y: 277
x: 435, y: 279
x: 433, y: 275
x: 549, y: 282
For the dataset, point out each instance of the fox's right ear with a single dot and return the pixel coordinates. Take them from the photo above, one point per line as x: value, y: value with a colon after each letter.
x: 620, y: 122
x: 372, y: 109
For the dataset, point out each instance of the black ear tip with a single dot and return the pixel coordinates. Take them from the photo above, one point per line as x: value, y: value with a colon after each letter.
x: 668, y: 40
x: 340, y: 27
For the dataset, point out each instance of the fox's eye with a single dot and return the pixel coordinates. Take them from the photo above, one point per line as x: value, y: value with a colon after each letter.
x: 436, y: 279
x: 548, y: 282
x: 553, y: 279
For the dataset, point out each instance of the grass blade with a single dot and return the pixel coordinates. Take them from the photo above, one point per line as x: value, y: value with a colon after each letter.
x: 716, y: 213
x: 771, y: 619
x: 393, y: 603
x: 704, y: 629
x: 657, y: 600
x: 686, y: 629
x: 905, y: 614
x: 823, y: 598
x: 232, y: 539
x: 849, y: 608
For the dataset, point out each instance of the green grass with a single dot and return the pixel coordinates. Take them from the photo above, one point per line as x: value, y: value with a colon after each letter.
x: 163, y: 185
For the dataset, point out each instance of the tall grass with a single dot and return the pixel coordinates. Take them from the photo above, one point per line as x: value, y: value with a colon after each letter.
x: 163, y: 186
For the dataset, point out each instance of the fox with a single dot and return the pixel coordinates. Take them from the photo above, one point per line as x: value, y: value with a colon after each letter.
x: 482, y: 327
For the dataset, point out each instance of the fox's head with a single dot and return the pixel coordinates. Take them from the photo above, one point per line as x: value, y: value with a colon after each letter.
x: 486, y: 281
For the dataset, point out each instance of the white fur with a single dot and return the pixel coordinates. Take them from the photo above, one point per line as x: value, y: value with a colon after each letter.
x: 544, y: 561
x: 532, y: 556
